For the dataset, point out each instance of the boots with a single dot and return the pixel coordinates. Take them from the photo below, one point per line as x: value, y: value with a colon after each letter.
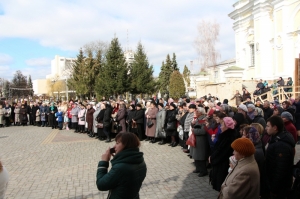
x: 162, y: 142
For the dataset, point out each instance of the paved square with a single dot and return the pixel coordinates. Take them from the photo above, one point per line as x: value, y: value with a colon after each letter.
x: 47, y: 163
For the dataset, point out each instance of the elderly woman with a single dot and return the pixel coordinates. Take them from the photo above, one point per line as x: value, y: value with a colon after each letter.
x: 151, y: 118
x: 250, y: 113
x: 89, y: 119
x: 201, y: 151
x: 51, y: 116
x: 259, y: 117
x: 128, y: 171
x: 43, y: 113
x: 81, y: 118
x: 17, y: 115
x: 160, y: 123
x: 130, y: 115
x: 221, y: 152
x: 121, y: 117
x: 171, y: 124
x: 74, y: 120
x: 243, y: 180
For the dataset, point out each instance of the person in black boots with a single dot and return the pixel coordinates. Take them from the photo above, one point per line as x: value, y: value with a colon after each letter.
x: 89, y: 119
x: 51, y: 117
x: 99, y: 120
x: 23, y: 115
x: 130, y: 113
x: 7, y: 114
x: 29, y: 112
x: 107, y: 122
x: 200, y: 152
x: 74, y: 113
x: 34, y: 109
x: 138, y: 119
x: 170, y: 124
x: 160, y: 124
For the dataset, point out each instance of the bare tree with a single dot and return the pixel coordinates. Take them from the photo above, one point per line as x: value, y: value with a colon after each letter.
x: 205, y: 43
x: 94, y: 47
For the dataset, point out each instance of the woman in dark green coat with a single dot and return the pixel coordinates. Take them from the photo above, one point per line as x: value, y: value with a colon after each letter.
x: 128, y: 171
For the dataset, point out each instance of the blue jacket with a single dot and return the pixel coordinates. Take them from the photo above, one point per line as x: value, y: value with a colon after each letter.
x: 59, y: 116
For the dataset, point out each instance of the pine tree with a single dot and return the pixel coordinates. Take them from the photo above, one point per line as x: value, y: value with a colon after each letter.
x: 186, y: 75
x: 164, y: 76
x: 174, y: 63
x: 76, y: 82
x: 114, y: 74
x: 177, y: 88
x: 30, y: 86
x: 142, y: 81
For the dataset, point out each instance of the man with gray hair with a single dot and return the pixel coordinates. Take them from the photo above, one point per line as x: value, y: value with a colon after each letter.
x: 268, y: 112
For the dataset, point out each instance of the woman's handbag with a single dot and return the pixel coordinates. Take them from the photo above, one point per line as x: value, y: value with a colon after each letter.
x: 171, y: 126
x: 161, y: 134
x: 192, y: 140
x: 82, y: 119
x: 99, y: 125
x: 150, y: 123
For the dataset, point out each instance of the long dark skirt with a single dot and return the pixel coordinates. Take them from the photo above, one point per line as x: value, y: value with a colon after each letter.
x: 52, y: 120
x: 100, y: 132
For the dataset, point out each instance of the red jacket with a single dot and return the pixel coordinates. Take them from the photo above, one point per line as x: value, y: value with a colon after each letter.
x: 289, y: 126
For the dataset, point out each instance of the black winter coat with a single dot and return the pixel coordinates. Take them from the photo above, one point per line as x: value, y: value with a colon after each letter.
x: 259, y: 119
x: 279, y: 162
x: 139, y: 116
x: 100, y: 116
x: 107, y: 117
x: 220, y: 158
x: 268, y: 112
x: 171, y: 119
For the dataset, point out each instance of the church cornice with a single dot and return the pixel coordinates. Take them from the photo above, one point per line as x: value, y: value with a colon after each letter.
x: 241, y: 11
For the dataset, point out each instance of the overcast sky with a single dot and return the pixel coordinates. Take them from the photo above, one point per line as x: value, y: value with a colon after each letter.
x: 32, y: 32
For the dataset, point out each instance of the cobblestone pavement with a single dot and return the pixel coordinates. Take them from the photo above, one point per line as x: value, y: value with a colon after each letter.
x: 45, y: 163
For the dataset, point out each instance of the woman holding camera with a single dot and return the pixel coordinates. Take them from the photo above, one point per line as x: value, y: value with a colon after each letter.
x: 128, y: 171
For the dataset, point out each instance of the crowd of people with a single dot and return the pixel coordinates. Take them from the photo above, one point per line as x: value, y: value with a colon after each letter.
x: 256, y: 140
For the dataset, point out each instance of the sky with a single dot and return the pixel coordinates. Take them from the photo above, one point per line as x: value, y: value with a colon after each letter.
x: 33, y: 32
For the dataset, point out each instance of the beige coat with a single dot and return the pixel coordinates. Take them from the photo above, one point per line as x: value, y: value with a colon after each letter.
x: 243, y: 181
x: 17, y: 114
x: 38, y: 117
x: 150, y: 132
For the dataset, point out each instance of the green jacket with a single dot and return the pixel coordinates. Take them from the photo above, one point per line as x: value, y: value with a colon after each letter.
x: 126, y: 176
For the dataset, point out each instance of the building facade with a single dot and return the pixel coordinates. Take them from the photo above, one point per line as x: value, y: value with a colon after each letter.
x: 267, y: 37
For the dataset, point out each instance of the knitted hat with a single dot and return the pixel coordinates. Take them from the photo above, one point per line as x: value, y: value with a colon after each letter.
x: 192, y: 106
x: 225, y: 101
x: 287, y: 115
x: 243, y: 107
x: 251, y: 106
x: 244, y: 146
x: 228, y: 121
x: 132, y: 106
x: 138, y: 105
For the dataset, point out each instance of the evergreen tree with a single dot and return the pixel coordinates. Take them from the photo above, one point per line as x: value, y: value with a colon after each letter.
x: 114, y: 74
x: 174, y: 63
x: 142, y: 81
x: 177, y: 88
x: 19, y: 81
x: 89, y: 75
x: 164, y: 76
x: 30, y: 86
x: 186, y: 75
x: 76, y: 82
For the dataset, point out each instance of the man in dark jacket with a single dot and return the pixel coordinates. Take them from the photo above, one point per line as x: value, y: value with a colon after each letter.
x: 268, y: 112
x: 34, y: 109
x: 279, y: 159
